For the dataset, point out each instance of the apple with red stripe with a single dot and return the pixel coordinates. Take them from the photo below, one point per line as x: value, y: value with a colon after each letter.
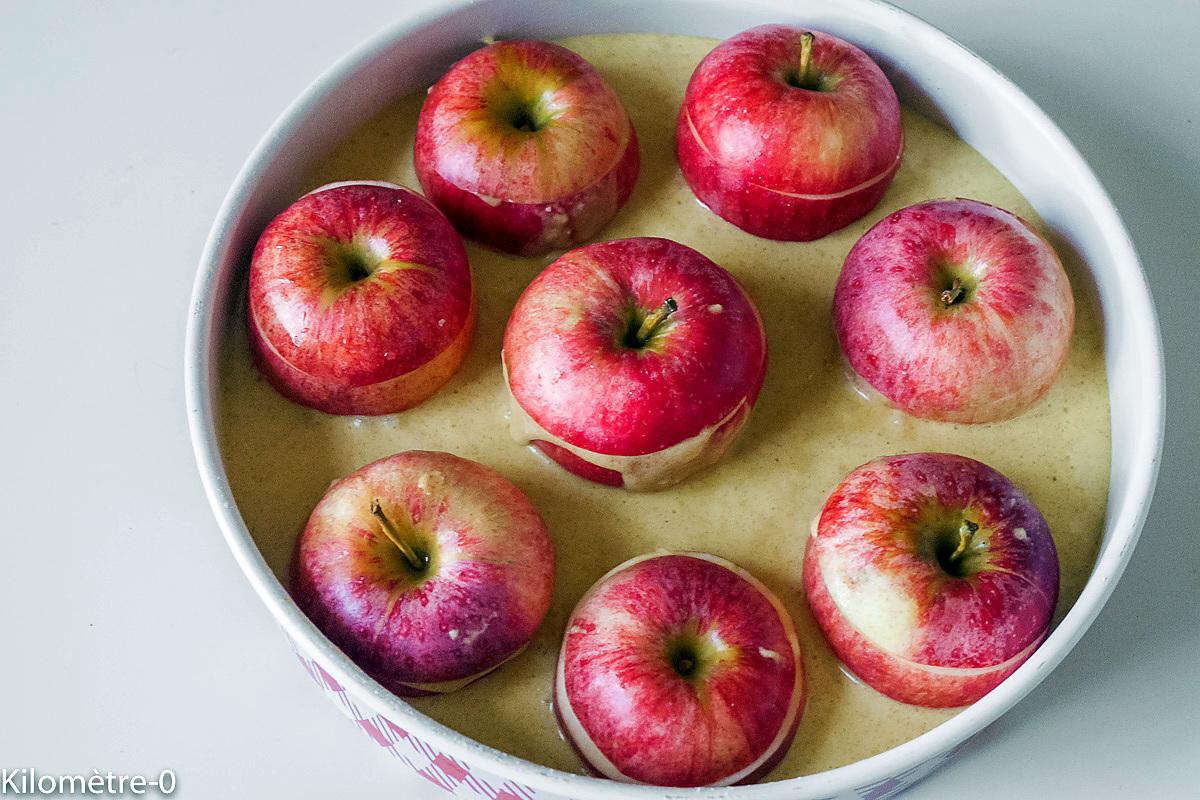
x: 955, y: 310
x: 789, y: 133
x: 360, y: 299
x: 526, y: 148
x: 634, y: 362
x: 680, y: 669
x: 428, y: 570
x: 932, y: 576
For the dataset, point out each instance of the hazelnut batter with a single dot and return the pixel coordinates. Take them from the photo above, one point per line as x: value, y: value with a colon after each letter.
x: 808, y: 429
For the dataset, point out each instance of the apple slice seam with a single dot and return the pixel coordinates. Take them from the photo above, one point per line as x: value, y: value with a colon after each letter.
x: 266, y: 342
x: 445, y: 687
x: 962, y: 672
x: 863, y: 185
x: 340, y: 184
x: 642, y: 472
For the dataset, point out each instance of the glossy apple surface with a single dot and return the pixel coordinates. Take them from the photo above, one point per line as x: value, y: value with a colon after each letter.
x: 526, y: 148
x: 680, y: 670
x: 360, y: 299
x: 932, y: 576
x: 633, y: 362
x: 955, y: 310
x: 428, y: 570
x: 789, y: 133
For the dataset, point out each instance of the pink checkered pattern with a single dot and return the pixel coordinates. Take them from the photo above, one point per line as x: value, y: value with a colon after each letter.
x: 449, y: 774
x: 463, y: 780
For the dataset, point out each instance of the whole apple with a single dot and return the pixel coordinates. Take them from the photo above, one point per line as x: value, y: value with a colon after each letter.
x: 955, y: 310
x: 633, y: 362
x: 680, y: 669
x: 525, y: 147
x: 428, y: 570
x: 932, y: 576
x: 360, y: 299
x: 789, y: 133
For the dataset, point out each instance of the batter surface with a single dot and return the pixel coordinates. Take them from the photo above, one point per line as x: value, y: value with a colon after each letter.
x: 808, y: 429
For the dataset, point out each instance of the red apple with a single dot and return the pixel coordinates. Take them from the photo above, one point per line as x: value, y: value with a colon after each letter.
x: 634, y: 362
x: 360, y: 299
x: 525, y: 147
x: 956, y: 311
x: 788, y: 133
x: 427, y: 569
x: 932, y: 576
x: 679, y: 670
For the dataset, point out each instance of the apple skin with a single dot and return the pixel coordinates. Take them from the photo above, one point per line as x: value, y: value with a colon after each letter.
x: 640, y: 417
x: 891, y: 610
x: 631, y: 715
x: 785, y: 162
x: 476, y: 604
x: 328, y: 336
x: 521, y: 190
x: 988, y: 356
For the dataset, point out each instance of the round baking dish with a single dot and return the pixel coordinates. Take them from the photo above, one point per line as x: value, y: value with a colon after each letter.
x: 947, y: 83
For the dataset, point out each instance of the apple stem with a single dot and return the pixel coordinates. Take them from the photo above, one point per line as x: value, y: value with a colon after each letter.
x: 966, y: 533
x: 806, y: 43
x: 655, y: 318
x: 416, y: 561
x: 953, y: 294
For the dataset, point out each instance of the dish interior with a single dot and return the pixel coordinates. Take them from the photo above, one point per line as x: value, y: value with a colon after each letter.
x: 809, y: 428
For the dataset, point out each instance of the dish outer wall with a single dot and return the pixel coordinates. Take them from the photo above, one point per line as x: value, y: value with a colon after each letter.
x: 947, y: 83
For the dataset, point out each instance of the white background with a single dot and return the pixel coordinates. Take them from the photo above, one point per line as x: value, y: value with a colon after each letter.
x: 129, y: 639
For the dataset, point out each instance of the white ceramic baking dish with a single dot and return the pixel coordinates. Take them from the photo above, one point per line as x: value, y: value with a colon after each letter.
x: 931, y: 72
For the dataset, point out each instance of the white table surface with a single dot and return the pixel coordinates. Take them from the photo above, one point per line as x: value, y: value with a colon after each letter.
x: 131, y: 642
